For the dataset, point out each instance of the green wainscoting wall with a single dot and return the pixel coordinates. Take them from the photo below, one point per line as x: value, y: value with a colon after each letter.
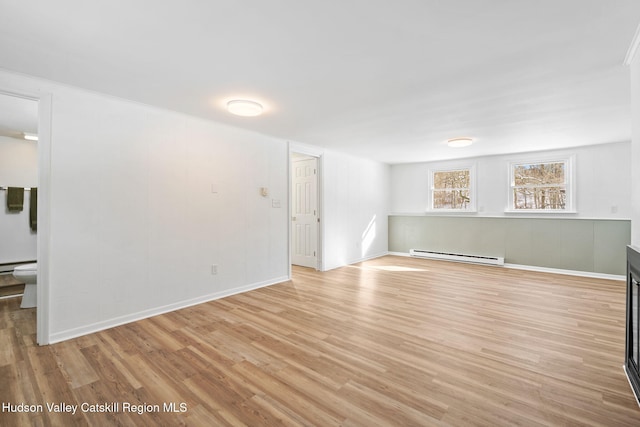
x: 590, y: 245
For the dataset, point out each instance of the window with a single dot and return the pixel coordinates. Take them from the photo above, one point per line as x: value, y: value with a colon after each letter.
x: 452, y: 190
x: 541, y: 186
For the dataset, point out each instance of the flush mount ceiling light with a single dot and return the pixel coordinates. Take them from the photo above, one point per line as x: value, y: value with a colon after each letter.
x: 243, y: 107
x: 29, y: 136
x: 459, y: 142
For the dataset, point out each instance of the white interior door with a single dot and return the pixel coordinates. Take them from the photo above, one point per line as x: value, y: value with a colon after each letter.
x: 304, y: 215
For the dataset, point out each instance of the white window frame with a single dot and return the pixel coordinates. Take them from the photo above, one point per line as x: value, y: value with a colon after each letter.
x: 472, y: 206
x: 569, y: 167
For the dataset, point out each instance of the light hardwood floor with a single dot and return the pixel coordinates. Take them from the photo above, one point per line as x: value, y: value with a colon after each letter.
x: 392, y: 341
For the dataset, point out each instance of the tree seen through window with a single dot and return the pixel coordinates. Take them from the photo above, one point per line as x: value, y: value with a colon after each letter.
x: 539, y: 186
x: 451, y: 189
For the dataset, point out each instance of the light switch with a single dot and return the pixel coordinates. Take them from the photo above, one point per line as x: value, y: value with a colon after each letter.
x: 275, y: 203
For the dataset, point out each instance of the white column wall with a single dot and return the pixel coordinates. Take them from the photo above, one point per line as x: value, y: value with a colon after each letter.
x: 356, y: 208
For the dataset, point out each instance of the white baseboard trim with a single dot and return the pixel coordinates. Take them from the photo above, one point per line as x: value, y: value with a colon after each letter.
x: 548, y: 270
x: 111, y: 323
x: 578, y: 273
x: 355, y: 261
x: 406, y: 254
x: 370, y: 257
x: 11, y: 296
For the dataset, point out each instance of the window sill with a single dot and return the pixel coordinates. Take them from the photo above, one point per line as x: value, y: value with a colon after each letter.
x: 540, y: 211
x: 451, y: 211
x: 520, y: 215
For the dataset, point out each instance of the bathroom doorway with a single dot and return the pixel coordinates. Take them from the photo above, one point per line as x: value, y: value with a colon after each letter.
x: 18, y: 172
x: 20, y: 175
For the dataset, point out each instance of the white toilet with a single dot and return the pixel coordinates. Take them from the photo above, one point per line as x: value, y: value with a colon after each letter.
x: 27, y: 274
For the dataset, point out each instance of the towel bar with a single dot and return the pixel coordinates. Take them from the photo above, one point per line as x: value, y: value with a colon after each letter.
x: 26, y: 188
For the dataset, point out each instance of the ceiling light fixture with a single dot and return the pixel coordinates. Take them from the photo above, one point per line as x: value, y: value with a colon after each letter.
x: 29, y: 136
x: 243, y: 107
x: 459, y: 142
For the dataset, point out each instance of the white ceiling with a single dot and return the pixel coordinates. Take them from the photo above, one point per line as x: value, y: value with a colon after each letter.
x: 386, y: 79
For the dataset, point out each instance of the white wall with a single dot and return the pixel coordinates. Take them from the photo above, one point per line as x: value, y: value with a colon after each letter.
x: 635, y: 151
x: 602, y: 182
x: 134, y: 223
x: 18, y: 168
x: 356, y: 208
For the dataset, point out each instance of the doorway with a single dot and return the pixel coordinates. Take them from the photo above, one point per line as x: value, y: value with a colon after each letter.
x: 305, y: 211
x: 43, y: 106
x: 18, y: 193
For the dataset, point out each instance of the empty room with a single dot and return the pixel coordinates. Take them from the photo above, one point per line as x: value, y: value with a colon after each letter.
x: 354, y: 213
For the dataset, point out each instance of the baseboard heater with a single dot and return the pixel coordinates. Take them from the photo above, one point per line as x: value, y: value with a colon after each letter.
x: 478, y: 259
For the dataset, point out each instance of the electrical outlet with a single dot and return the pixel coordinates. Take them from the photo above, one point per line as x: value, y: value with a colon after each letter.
x: 214, y: 269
